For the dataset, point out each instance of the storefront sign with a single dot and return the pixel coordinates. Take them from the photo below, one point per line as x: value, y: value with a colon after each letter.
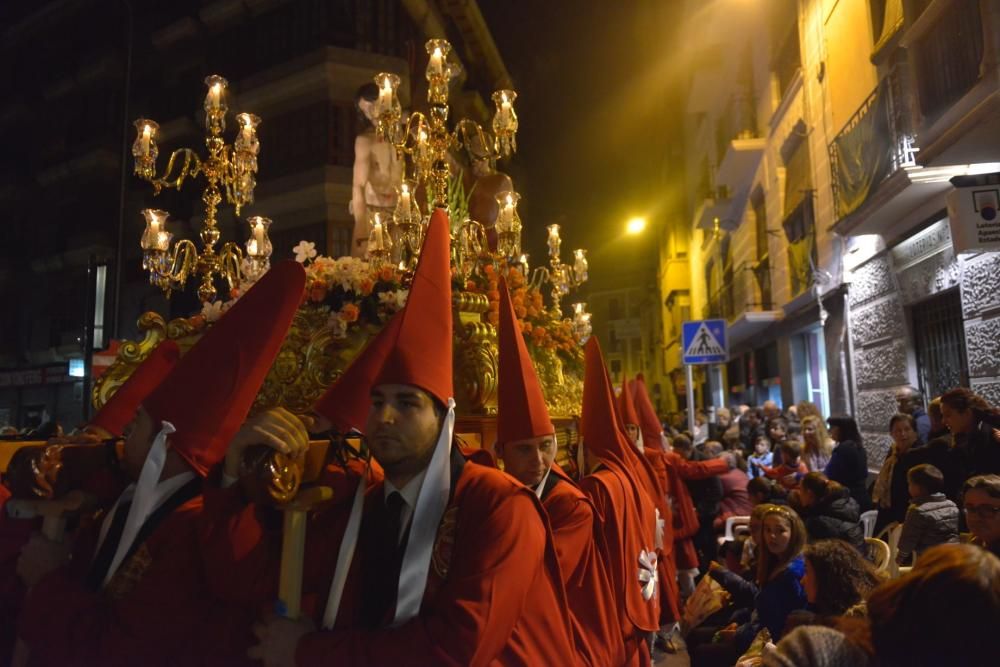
x: 974, y: 212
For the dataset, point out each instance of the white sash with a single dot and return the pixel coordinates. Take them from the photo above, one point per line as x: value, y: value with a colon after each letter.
x: 431, y: 504
x: 145, y: 499
x: 541, y: 485
x: 345, y: 555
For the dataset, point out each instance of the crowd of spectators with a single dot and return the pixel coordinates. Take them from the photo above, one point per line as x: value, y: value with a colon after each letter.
x: 808, y: 568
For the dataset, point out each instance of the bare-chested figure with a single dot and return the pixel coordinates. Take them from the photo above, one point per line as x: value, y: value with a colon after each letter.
x: 377, y: 172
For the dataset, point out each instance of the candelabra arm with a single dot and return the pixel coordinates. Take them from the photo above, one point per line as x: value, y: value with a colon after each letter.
x: 190, y: 167
x: 460, y: 136
x: 230, y: 260
x: 538, y: 278
x: 183, y: 260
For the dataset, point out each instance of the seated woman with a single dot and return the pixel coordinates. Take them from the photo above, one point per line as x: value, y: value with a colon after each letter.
x: 829, y: 512
x: 779, y: 573
x: 943, y: 612
x: 837, y: 582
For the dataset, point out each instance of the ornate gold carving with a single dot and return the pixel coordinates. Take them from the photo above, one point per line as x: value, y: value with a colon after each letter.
x: 132, y: 353
x: 475, y: 368
x: 563, y: 389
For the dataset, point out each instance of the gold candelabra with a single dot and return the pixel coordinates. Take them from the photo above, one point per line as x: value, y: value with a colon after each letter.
x: 426, y: 138
x: 227, y: 168
x: 562, y: 277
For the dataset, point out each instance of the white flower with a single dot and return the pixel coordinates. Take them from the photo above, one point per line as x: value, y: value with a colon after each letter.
x: 305, y: 250
x: 393, y: 300
x: 213, y: 311
x: 338, y: 325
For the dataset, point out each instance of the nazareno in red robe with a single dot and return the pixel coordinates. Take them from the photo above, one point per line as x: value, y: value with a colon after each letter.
x: 493, y: 596
x: 583, y: 561
x: 148, y: 613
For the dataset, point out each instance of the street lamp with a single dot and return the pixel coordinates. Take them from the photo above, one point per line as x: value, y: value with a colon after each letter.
x: 635, y: 226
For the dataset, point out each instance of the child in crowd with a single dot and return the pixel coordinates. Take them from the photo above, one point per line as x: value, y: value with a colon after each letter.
x: 762, y: 456
x: 792, y: 469
x: 931, y: 519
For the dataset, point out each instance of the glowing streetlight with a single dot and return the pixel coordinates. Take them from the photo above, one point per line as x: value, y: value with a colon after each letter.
x: 635, y: 225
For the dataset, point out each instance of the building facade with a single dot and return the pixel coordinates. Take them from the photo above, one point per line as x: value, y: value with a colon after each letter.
x: 821, y: 148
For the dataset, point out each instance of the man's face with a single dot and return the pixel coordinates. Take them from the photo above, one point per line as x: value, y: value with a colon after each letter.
x: 402, y: 429
x: 139, y: 436
x: 632, y: 431
x: 528, y: 460
x: 904, y: 402
x: 982, y: 511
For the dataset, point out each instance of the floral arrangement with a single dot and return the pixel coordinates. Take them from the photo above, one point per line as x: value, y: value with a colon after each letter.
x: 543, y: 329
x: 353, y: 292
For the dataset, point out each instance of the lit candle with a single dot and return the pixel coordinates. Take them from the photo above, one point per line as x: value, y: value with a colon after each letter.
x: 258, y: 234
x: 436, y: 64
x: 507, y: 213
x: 384, y: 103
x: 247, y: 133
x: 163, y: 240
x: 214, y: 96
x: 147, y: 133
x: 404, y: 199
x: 377, y: 233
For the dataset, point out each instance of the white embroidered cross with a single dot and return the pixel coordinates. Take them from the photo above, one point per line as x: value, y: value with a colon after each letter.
x: 647, y: 574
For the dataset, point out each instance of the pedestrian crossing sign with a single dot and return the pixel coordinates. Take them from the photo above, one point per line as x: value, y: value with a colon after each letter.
x: 704, y: 342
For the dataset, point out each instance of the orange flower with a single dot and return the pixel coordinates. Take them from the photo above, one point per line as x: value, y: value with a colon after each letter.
x: 234, y: 292
x: 385, y: 273
x: 349, y: 313
x: 493, y: 295
x: 493, y: 317
x: 493, y: 285
x: 470, y: 286
x: 317, y: 292
x: 366, y: 287
x: 520, y: 311
x: 489, y: 272
x: 526, y: 327
x: 494, y: 306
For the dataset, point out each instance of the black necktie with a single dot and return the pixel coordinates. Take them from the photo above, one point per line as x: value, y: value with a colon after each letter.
x: 382, y: 564
x: 102, y: 561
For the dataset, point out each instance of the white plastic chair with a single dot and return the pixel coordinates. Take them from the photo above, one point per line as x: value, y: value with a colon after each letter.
x: 891, y: 535
x: 881, y: 554
x: 732, y: 524
x: 868, y: 520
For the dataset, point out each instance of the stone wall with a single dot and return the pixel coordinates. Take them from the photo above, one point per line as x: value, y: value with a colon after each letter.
x: 880, y: 291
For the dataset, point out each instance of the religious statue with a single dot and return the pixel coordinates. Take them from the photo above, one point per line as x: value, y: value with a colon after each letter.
x: 377, y: 172
x: 483, y: 183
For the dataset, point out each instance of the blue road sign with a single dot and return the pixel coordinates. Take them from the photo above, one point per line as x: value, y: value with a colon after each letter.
x: 704, y: 342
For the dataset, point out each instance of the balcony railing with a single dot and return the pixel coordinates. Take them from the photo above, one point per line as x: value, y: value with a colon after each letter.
x: 876, y: 142
x: 948, y: 57
x: 747, y: 289
x: 738, y: 121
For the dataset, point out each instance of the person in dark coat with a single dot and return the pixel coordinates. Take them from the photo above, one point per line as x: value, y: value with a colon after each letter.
x: 911, y: 402
x: 849, y: 463
x: 829, y: 511
x: 974, y: 424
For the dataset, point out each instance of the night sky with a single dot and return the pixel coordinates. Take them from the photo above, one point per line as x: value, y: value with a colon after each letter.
x: 597, y: 87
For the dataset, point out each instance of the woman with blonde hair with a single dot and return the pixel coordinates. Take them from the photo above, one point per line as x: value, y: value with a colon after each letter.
x: 818, y: 443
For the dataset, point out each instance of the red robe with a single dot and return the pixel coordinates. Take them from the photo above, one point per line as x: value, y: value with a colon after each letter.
x: 583, y: 561
x: 14, y: 533
x: 625, y: 513
x: 493, y: 596
x: 149, y: 613
x: 667, y: 564
x: 685, y: 517
x: 241, y: 543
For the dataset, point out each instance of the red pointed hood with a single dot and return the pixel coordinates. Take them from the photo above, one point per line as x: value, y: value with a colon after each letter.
x: 347, y: 401
x: 635, y: 511
x: 625, y: 405
x: 649, y: 423
x: 120, y: 409
x: 521, y: 409
x: 600, y: 426
x: 211, y: 389
x: 421, y: 352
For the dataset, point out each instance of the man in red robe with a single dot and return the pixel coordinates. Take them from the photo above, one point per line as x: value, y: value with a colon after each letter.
x: 455, y: 563
x: 134, y: 592
x: 627, y: 510
x: 108, y: 423
x: 670, y: 612
x: 676, y: 468
x: 526, y: 444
